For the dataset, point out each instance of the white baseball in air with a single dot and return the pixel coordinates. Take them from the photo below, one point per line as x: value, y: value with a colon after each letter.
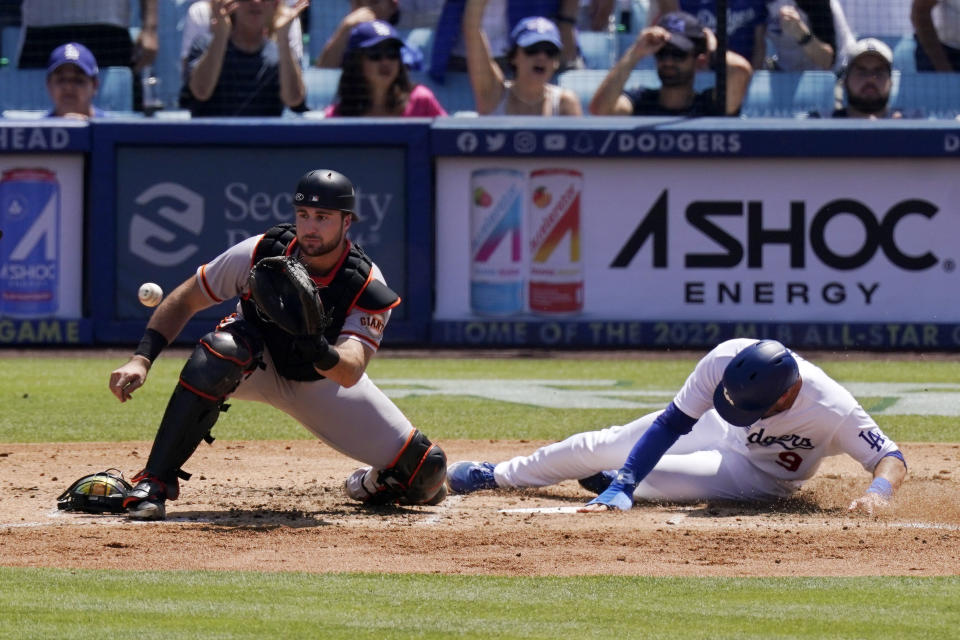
x: 150, y: 294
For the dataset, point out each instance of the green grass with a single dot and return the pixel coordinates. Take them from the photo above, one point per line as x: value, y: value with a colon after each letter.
x: 54, y: 603
x: 66, y: 399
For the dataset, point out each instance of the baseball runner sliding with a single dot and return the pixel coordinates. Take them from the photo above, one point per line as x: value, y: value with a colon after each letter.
x: 752, y: 422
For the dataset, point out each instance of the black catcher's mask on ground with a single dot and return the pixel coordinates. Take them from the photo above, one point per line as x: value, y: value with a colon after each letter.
x: 96, y: 493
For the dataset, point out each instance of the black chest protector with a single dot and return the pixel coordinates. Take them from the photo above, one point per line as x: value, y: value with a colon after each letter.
x: 350, y: 287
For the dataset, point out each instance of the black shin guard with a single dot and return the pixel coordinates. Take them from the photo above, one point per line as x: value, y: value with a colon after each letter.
x: 417, y: 474
x: 214, y: 370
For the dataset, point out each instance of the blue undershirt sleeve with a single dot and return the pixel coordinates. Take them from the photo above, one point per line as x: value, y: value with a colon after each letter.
x: 665, y: 430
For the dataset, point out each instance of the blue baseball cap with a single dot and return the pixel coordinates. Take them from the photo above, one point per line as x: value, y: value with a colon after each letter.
x: 684, y: 29
x: 76, y: 54
x: 534, y: 29
x: 370, y: 34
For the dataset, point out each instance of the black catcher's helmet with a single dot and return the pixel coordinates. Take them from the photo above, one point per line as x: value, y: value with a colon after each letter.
x: 326, y: 189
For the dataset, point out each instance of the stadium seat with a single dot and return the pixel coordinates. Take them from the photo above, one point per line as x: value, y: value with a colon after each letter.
x: 926, y: 95
x: 171, y: 15
x: 454, y: 94
x: 26, y: 89
x: 324, y: 18
x: 584, y: 82
x: 784, y: 94
x: 9, y: 41
x: 598, y: 48
x: 903, y: 52
x: 321, y: 86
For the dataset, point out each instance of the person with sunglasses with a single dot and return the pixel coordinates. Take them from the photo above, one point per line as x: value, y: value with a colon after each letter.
x: 682, y: 47
x: 374, y: 81
x: 534, y: 58
x: 245, y: 66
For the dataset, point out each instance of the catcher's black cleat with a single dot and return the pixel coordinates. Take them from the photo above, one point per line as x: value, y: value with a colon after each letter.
x: 147, y: 500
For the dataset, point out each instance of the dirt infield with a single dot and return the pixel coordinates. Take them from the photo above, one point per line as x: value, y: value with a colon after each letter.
x: 277, y: 506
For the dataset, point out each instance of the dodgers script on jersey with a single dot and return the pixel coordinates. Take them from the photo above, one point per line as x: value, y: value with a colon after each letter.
x: 824, y: 420
x: 226, y: 276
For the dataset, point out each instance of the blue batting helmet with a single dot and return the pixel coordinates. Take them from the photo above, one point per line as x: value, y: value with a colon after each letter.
x: 754, y: 381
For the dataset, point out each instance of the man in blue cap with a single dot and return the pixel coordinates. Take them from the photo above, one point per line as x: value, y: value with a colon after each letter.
x: 72, y: 82
x: 682, y: 47
x: 753, y: 422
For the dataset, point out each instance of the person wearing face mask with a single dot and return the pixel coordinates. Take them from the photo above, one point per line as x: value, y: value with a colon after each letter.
x: 374, y: 80
x: 534, y: 57
x: 245, y: 65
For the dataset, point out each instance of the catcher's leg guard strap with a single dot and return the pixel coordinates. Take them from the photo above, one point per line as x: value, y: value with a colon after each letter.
x: 214, y: 369
x: 418, y: 471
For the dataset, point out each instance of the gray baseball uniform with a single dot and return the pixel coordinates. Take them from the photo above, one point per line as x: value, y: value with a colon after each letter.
x: 359, y: 421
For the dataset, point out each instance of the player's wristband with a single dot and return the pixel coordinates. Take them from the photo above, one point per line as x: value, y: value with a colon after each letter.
x: 882, y: 487
x: 328, y: 360
x: 151, y: 344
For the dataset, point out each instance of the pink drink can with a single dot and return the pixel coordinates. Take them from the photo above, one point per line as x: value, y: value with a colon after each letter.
x: 553, y: 219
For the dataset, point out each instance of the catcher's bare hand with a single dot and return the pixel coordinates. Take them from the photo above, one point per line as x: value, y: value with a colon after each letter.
x: 128, y: 378
x: 870, y: 504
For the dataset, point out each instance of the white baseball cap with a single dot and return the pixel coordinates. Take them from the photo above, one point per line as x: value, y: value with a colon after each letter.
x: 871, y: 45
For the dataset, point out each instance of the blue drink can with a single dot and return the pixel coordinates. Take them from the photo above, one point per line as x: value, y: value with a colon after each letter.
x: 30, y: 246
x: 497, y: 247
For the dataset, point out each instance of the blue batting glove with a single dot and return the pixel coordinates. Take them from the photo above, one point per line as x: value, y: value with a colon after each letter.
x: 619, y: 494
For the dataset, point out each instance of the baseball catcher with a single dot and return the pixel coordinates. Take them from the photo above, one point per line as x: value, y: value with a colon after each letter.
x: 311, y: 314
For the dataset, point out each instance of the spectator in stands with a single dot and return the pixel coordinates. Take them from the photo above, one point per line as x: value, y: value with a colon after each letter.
x: 72, y: 81
x: 682, y: 47
x: 197, y: 23
x: 408, y: 13
x: 937, y: 27
x: 374, y: 81
x: 244, y: 66
x: 889, y: 19
x: 746, y: 23
x: 534, y: 58
x: 498, y: 19
x: 808, y: 35
x: 103, y: 26
x: 867, y: 82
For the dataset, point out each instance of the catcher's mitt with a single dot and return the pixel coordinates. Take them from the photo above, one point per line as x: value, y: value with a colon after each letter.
x: 96, y: 493
x: 285, y: 295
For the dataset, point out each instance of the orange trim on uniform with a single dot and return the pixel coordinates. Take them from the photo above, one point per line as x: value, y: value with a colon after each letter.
x: 363, y: 338
x: 242, y: 363
x: 422, y: 460
x: 325, y: 281
x: 406, y: 444
x: 360, y: 293
x: 206, y: 285
x: 206, y: 396
x: 385, y: 309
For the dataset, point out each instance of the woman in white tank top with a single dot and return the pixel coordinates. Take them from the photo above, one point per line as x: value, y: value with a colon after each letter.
x: 534, y: 56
